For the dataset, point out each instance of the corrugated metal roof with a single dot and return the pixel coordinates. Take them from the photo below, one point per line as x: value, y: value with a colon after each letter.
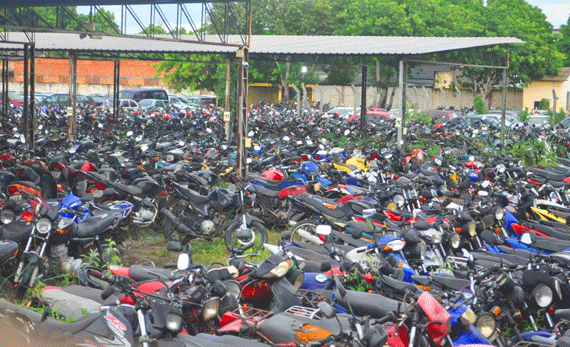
x: 561, y: 77
x: 265, y: 44
x: 41, y: 3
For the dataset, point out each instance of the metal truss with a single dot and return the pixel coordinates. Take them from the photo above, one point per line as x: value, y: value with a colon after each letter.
x: 233, y: 18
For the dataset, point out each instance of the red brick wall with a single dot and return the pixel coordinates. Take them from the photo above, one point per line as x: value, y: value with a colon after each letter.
x: 91, y: 72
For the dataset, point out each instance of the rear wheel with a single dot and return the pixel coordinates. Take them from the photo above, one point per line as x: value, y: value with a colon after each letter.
x: 305, y: 231
x: 236, y: 237
x: 171, y: 232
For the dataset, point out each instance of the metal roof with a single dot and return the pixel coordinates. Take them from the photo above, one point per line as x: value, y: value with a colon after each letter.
x: 262, y: 44
x: 43, y: 3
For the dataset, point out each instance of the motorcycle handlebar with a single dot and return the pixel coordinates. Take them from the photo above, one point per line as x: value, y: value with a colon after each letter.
x: 170, y: 266
x: 99, y: 275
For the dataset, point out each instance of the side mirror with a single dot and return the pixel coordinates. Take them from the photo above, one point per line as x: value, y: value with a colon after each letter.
x: 526, y: 238
x: 324, y: 230
x: 183, y: 262
x: 325, y: 266
x: 174, y: 246
x: 356, y: 234
x: 327, y: 310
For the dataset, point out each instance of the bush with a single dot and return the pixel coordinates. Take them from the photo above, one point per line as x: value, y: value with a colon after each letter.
x: 559, y: 116
x: 524, y: 115
x: 479, y: 105
x: 544, y: 104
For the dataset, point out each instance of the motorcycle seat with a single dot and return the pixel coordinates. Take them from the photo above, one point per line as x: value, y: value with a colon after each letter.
x: 552, y: 176
x: 550, y: 244
x: 548, y: 230
x: 451, y: 283
x: 133, y: 190
x: 401, y: 286
x: 7, y: 250
x: 367, y: 304
x: 189, y: 194
x: 142, y: 273
x: 337, y: 212
x: 264, y: 191
x: 421, y: 280
x: 562, y: 314
x: 95, y: 225
x: 18, y: 231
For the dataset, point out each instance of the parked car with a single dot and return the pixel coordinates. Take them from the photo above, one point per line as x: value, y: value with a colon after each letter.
x: 146, y: 104
x: 14, y: 98
x: 141, y: 94
x: 61, y: 100
x: 564, y: 124
x: 510, y: 120
x: 441, y: 116
x: 204, y: 100
x: 343, y: 112
x: 476, y: 122
x: 128, y: 105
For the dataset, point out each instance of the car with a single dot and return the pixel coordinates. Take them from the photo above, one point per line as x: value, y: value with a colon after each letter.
x: 564, y: 124
x: 440, y: 116
x: 204, y: 100
x: 155, y: 104
x: 14, y: 98
x: 178, y: 102
x: 343, y: 112
x: 475, y: 122
x: 128, y: 105
x: 510, y: 120
x: 141, y: 94
x: 61, y: 100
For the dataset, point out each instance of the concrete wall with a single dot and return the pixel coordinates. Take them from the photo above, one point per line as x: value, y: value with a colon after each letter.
x: 543, y: 89
x: 425, y: 98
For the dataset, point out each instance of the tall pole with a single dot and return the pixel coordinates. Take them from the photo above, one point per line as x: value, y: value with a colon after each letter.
x: 5, y: 77
x: 363, y: 98
x: 227, y: 104
x: 32, y: 116
x: 242, y: 111
x: 26, y: 116
x: 116, y: 87
x: 72, y: 95
x: 402, y: 123
x: 504, y: 108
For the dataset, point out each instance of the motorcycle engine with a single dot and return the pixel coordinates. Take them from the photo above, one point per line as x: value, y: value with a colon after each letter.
x: 143, y: 216
x: 207, y: 227
x: 62, y: 261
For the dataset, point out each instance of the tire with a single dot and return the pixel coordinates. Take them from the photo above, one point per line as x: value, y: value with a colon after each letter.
x: 305, y: 231
x: 6, y: 289
x: 259, y: 236
x: 24, y: 282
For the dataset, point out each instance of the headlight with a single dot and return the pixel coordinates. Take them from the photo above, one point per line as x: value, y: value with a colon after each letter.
x: 7, y: 216
x: 399, y: 200
x: 233, y: 287
x: 210, y: 309
x: 43, y: 225
x: 455, y: 240
x: 468, y: 317
x: 499, y: 213
x: 542, y: 295
x: 173, y: 322
x: 280, y: 270
x: 486, y: 324
x: 395, y: 245
x: 469, y: 228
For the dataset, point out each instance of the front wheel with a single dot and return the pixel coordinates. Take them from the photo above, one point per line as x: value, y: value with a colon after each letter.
x: 306, y: 231
x: 236, y: 237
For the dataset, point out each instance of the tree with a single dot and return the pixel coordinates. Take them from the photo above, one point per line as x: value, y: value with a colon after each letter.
x: 564, y: 41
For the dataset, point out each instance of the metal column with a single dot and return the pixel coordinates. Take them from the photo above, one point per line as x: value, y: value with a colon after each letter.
x: 504, y: 108
x: 402, y: 95
x: 31, y: 121
x: 5, y: 80
x: 72, y: 96
x: 116, y: 85
x: 363, y: 98
x: 26, y: 114
x: 242, y: 112
x: 227, y: 104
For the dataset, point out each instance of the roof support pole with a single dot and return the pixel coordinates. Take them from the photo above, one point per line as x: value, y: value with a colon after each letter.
x: 26, y: 115
x: 298, y: 97
x: 363, y: 98
x: 402, y: 95
x: 227, y: 103
x: 242, y: 112
x: 31, y: 121
x: 72, y: 96
x: 116, y: 86
x: 504, y: 108
x: 5, y: 80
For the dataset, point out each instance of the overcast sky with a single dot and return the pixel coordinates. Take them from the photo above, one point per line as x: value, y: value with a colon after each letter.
x: 556, y: 11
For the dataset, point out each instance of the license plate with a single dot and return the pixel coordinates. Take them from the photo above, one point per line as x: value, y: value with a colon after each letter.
x: 16, y: 197
x: 232, y: 188
x: 56, y: 174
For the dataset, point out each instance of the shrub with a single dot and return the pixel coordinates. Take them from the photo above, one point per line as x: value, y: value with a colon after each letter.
x: 479, y: 105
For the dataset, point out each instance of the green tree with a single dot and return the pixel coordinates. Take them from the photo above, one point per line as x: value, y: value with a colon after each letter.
x: 564, y: 41
x: 479, y: 105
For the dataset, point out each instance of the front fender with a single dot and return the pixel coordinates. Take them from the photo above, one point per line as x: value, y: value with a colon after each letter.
x: 249, y: 219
